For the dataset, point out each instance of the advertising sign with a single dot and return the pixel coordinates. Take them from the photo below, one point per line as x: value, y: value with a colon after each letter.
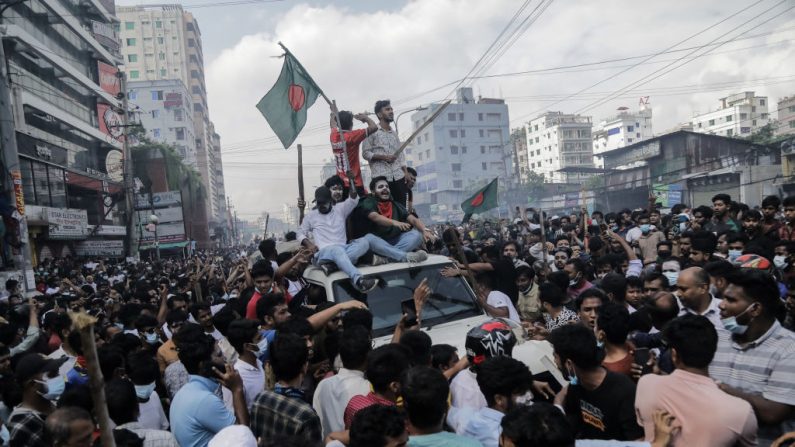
x: 110, y: 123
x: 19, y: 197
x: 100, y: 248
x: 66, y: 223
x: 160, y: 200
x: 114, y: 165
x: 668, y: 195
x: 170, y: 232
x: 164, y: 215
x: 108, y: 79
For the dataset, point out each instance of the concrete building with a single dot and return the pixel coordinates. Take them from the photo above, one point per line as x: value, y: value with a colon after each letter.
x: 556, y: 141
x: 621, y: 130
x: 164, y: 42
x: 61, y: 58
x: 786, y: 116
x: 165, y: 111
x: 520, y: 164
x: 738, y: 115
x: 466, y: 147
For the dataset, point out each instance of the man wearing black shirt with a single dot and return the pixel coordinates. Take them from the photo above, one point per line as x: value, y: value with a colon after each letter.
x: 502, y: 270
x: 599, y: 403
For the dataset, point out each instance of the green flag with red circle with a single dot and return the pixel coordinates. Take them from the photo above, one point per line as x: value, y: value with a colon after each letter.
x: 483, y: 200
x: 286, y: 103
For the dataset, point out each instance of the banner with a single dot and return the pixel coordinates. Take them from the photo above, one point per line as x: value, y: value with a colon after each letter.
x: 108, y: 78
x: 66, y: 223
x: 170, y: 232
x: 160, y: 200
x: 164, y: 215
x: 110, y: 123
x: 113, y: 248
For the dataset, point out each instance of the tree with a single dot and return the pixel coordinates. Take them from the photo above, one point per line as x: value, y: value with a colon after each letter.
x: 765, y: 134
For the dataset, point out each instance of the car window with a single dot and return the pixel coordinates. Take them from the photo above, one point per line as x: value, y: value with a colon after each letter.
x: 451, y: 299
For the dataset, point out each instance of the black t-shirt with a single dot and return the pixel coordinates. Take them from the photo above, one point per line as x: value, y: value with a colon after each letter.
x: 608, y: 412
x: 399, y: 213
x: 505, y: 278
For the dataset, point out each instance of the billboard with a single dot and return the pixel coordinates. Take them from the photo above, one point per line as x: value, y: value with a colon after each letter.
x: 160, y: 200
x: 108, y: 78
x: 66, y: 223
x: 164, y: 215
x: 110, y: 123
x: 170, y: 232
x: 113, y: 248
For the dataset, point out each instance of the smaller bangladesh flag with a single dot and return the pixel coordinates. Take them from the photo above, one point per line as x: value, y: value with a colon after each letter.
x: 483, y: 200
x: 286, y: 103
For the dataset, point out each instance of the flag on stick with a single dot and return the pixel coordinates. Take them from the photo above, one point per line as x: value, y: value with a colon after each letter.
x: 483, y: 200
x: 286, y: 103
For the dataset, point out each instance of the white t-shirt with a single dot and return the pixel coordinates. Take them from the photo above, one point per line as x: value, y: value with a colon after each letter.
x: 253, y: 379
x: 152, y: 415
x: 465, y: 391
x: 499, y: 299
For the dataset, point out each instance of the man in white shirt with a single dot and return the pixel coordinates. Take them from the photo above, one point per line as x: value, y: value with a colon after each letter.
x: 333, y: 394
x: 245, y: 337
x: 494, y: 302
x: 326, y: 222
x: 692, y: 287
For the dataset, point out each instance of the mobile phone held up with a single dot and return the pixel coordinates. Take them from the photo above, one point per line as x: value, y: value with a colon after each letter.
x: 407, y: 306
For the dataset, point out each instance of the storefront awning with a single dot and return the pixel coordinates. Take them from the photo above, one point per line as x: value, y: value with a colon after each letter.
x: 166, y: 246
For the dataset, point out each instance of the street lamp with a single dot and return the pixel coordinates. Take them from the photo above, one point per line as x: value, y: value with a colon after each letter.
x: 418, y: 109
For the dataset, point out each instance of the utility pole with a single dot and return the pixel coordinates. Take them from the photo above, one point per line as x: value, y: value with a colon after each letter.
x: 13, y: 185
x: 129, y: 175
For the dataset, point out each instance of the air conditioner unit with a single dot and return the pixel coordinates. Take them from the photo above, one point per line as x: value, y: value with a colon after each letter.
x: 787, y: 147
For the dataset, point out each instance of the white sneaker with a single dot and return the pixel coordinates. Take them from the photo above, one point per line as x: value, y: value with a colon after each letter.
x: 416, y: 256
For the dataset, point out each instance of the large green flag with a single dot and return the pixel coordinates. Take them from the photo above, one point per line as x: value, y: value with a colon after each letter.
x: 285, y: 105
x: 483, y: 200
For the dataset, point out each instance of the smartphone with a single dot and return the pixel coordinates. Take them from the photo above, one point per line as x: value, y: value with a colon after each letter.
x: 642, y: 358
x: 407, y: 306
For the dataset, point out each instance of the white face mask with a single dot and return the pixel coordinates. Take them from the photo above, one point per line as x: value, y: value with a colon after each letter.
x: 780, y: 261
x: 672, y: 277
x: 144, y: 391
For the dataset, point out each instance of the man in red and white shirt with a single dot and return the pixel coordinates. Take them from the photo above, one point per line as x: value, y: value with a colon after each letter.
x: 353, y: 138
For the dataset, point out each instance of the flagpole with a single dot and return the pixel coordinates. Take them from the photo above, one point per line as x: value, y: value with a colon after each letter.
x: 300, y: 183
x: 333, y: 106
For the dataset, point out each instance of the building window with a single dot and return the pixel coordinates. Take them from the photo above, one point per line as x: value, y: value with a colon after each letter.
x: 453, y: 133
x: 753, y: 108
x: 178, y: 116
x: 711, y: 122
x: 158, y: 24
x: 463, y: 149
x: 481, y: 133
x: 163, y: 72
x: 420, y: 156
x: 743, y: 116
x: 728, y: 117
x: 461, y: 116
x: 194, y: 74
x: 180, y: 131
x: 162, y: 56
x: 131, y: 42
x: 155, y: 113
x: 482, y: 149
x: 196, y: 90
x: 191, y: 43
x: 463, y: 133
x: 729, y: 132
x: 764, y: 116
x: 458, y: 184
x: 419, y: 139
x: 761, y: 102
x: 791, y: 108
x: 156, y: 132
x: 132, y: 58
x: 483, y: 166
x: 129, y: 25
x: 480, y: 117
x: 629, y: 140
x: 157, y: 95
x: 451, y: 117
x: 455, y: 167
x: 132, y: 94
x: 454, y: 150
x: 428, y: 154
x: 792, y: 124
x: 160, y: 40
x: 134, y: 74
x: 753, y: 123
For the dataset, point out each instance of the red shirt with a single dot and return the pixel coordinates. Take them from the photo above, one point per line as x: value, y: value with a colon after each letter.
x: 251, y: 307
x: 353, y: 138
x: 359, y: 402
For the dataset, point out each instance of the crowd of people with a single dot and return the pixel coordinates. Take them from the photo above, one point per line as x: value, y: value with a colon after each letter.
x: 667, y: 328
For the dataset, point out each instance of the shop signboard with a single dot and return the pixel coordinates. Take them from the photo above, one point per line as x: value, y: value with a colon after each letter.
x: 66, y: 223
x: 114, y: 248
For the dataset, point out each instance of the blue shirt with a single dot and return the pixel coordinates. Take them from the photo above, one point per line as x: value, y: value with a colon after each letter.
x: 484, y: 426
x: 269, y: 335
x: 442, y: 439
x: 197, y: 414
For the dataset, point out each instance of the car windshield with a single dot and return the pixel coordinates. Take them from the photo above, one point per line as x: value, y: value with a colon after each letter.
x: 451, y: 299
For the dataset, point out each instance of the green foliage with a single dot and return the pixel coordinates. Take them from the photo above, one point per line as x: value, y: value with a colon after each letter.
x: 179, y: 176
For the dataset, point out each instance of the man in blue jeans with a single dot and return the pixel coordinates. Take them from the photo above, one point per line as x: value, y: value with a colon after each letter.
x: 326, y: 222
x: 395, y: 233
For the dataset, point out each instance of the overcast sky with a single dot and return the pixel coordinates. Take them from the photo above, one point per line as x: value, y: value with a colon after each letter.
x: 361, y: 51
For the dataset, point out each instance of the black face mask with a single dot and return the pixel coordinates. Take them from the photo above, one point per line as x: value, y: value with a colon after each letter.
x: 324, y: 208
x: 664, y: 254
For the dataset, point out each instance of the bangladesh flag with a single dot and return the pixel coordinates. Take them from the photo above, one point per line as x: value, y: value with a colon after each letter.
x: 483, y: 200
x: 285, y: 105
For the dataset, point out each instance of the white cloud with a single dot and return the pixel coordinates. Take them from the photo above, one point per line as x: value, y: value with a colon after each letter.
x: 360, y: 57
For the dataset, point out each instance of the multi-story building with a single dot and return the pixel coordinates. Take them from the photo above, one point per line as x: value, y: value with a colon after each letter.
x: 61, y: 58
x: 786, y: 116
x: 621, y: 130
x: 738, y: 115
x: 466, y: 147
x: 165, y: 111
x: 164, y: 42
x: 520, y: 164
x: 556, y: 141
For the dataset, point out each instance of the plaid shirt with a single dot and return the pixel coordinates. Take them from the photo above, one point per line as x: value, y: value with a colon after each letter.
x: 274, y: 414
x: 26, y: 427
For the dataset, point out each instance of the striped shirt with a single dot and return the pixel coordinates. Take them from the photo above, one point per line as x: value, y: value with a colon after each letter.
x: 384, y: 142
x: 765, y: 366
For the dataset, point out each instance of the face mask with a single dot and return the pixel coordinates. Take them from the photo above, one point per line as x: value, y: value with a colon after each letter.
x: 525, y: 399
x: 672, y: 277
x: 600, y: 344
x: 144, y: 391
x: 575, y: 281
x: 54, y: 387
x: 233, y: 295
x: 645, y: 228
x: 713, y: 290
x: 601, y: 275
x: 734, y: 254
x: 119, y: 325
x: 780, y: 261
x: 5, y: 436
x: 683, y: 227
x: 527, y: 290
x: 262, y: 346
x: 664, y: 254
x: 152, y: 339
x: 573, y: 380
x: 731, y: 324
x: 614, y: 228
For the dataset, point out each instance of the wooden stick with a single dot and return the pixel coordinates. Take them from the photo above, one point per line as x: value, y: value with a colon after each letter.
x: 84, y: 323
x: 301, y: 183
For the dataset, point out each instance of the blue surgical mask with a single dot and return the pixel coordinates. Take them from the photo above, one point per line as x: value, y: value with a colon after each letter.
x: 144, y: 391
x: 780, y: 261
x: 262, y: 346
x: 152, y: 338
x: 731, y: 324
x: 573, y: 379
x: 734, y: 254
x: 55, y: 386
x: 600, y: 344
x: 119, y: 325
x: 672, y: 277
x: 645, y: 228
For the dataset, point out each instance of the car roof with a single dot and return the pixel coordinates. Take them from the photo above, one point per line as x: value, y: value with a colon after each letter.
x: 316, y: 275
